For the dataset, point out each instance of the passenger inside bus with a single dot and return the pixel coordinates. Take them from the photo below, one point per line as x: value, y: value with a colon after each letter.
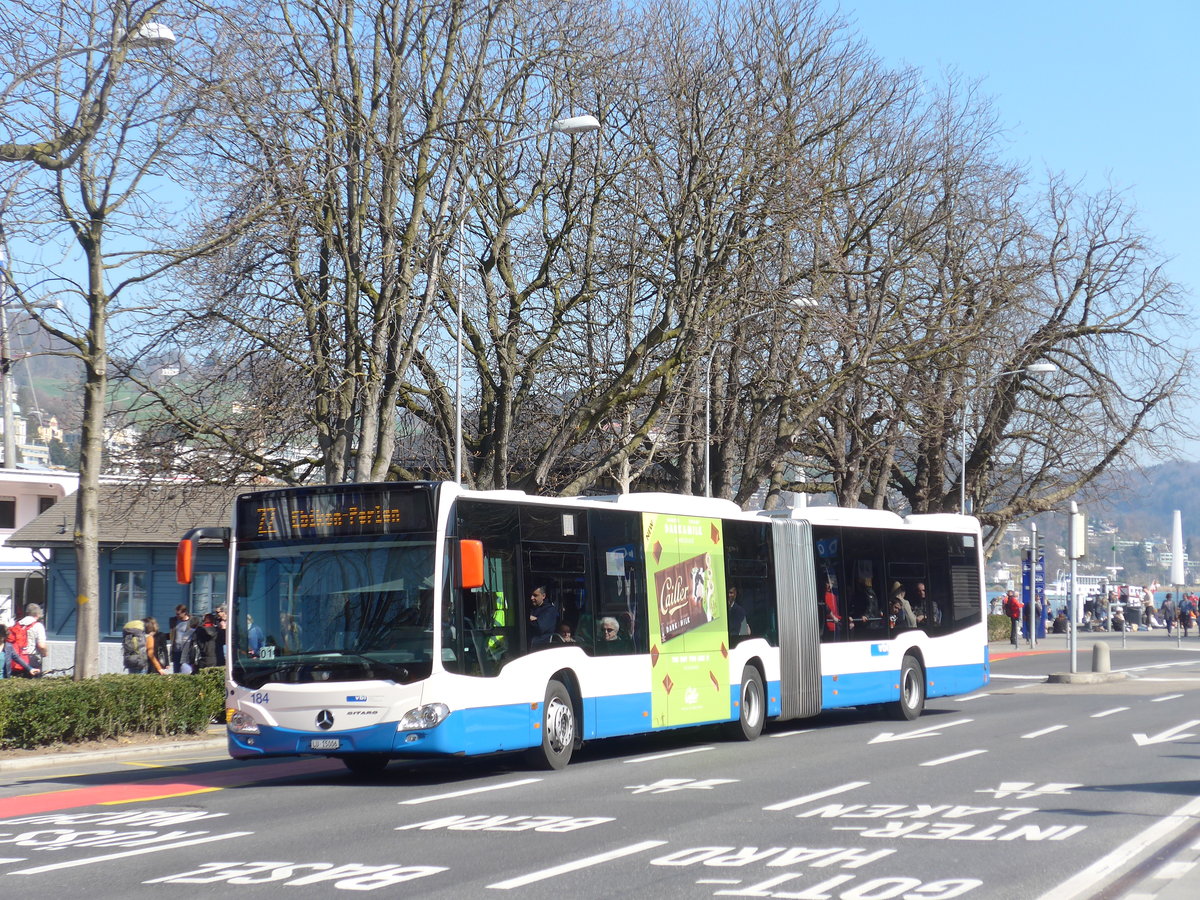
x: 738, y: 625
x: 542, y: 617
x: 926, y: 611
x: 901, y: 614
x: 866, y: 602
x: 611, y: 640
x: 831, y: 614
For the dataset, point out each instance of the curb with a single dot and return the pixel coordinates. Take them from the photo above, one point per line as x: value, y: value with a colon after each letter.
x: 1086, y: 677
x: 25, y: 763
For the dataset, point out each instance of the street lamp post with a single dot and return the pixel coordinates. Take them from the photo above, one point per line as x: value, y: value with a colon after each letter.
x: 572, y: 125
x: 1041, y: 368
x: 6, y: 385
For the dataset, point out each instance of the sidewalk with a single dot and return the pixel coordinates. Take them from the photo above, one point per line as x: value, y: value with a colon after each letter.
x: 1085, y: 640
x: 213, y: 739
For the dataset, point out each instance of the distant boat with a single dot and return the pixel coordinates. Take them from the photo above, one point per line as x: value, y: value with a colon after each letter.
x: 1085, y: 586
x: 1002, y: 576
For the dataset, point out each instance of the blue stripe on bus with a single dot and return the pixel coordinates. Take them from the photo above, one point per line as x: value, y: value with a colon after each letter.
x: 945, y: 681
x: 470, y: 731
x: 517, y: 726
x: 863, y: 688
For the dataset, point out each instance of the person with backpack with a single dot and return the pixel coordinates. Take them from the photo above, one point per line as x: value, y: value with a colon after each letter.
x: 133, y: 647
x: 35, y: 649
x: 206, y: 637
x: 15, y: 663
x: 1012, y: 609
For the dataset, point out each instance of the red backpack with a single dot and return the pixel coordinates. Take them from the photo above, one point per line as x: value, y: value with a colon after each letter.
x: 18, y: 636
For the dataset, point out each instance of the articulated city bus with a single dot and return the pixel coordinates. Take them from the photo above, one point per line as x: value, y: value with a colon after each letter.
x: 370, y: 622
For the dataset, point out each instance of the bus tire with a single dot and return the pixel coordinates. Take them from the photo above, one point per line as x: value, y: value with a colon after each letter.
x: 912, y: 690
x: 559, y: 729
x: 366, y: 765
x: 752, y: 707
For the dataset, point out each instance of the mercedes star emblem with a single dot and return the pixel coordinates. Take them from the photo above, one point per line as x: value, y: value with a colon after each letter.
x: 324, y: 720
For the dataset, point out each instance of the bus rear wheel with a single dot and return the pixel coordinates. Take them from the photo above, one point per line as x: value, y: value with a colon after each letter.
x: 366, y: 765
x: 912, y: 690
x: 558, y: 729
x: 752, y: 708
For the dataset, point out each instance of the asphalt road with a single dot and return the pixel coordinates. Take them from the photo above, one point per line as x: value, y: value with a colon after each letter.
x: 1024, y: 789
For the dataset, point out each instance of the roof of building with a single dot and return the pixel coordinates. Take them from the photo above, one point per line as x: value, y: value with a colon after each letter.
x: 135, y: 514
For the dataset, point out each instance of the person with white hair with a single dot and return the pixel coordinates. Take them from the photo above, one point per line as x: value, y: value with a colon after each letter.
x: 36, y: 649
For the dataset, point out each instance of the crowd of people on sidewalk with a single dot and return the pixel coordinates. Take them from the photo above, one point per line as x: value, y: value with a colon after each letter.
x: 1122, y: 610
x: 1125, y: 611
x: 186, y: 647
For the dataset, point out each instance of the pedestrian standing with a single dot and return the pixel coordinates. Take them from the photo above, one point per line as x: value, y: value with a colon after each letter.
x: 1012, y: 609
x: 181, y: 640
x: 157, y: 654
x: 206, y: 638
x: 222, y: 623
x: 1169, y: 613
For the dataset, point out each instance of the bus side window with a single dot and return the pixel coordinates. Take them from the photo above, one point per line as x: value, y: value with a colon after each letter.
x: 831, y: 598
x: 621, y: 586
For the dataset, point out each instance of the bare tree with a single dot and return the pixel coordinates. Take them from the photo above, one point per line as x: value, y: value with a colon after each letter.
x: 751, y: 155
x: 63, y: 65
x: 100, y: 178
x: 1102, y: 309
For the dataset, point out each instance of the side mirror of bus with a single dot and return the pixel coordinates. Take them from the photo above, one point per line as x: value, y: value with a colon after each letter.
x: 185, y: 561
x: 185, y: 553
x: 470, y: 564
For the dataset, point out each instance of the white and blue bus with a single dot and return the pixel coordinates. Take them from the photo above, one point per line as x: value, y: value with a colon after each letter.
x: 371, y: 622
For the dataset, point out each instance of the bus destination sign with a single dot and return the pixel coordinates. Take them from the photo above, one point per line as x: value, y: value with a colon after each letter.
x: 338, y: 512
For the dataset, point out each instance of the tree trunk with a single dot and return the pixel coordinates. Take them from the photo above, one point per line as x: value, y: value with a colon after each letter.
x: 87, y: 532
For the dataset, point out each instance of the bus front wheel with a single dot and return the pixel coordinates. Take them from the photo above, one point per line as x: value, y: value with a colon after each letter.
x: 558, y: 729
x: 752, y: 709
x: 912, y: 690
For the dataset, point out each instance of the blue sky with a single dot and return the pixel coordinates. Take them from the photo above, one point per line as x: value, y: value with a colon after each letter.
x: 1103, y: 91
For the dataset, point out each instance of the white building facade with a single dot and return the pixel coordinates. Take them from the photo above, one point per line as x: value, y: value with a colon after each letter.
x: 24, y: 494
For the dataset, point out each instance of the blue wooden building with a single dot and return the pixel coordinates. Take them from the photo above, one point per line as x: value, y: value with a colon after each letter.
x: 140, y: 526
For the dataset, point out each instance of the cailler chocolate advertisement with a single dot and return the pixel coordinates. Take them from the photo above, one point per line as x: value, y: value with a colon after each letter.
x: 685, y: 573
x: 683, y: 596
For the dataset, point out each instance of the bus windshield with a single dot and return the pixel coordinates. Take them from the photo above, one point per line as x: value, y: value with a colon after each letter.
x: 318, y: 612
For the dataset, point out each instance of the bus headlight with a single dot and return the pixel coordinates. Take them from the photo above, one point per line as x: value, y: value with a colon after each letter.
x: 240, y: 723
x: 430, y: 715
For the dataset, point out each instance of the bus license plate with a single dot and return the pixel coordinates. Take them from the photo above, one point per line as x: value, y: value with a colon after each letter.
x: 324, y: 744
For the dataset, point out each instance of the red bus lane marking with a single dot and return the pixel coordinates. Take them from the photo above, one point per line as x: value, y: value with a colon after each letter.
x: 159, y: 788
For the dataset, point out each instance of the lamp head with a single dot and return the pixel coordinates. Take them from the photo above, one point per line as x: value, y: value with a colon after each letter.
x: 576, y: 125
x: 152, y: 34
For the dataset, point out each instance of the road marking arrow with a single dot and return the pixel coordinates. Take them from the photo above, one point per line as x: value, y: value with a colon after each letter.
x: 929, y: 731
x: 1163, y: 737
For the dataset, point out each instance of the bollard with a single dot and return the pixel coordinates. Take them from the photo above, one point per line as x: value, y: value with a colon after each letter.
x: 1100, y: 660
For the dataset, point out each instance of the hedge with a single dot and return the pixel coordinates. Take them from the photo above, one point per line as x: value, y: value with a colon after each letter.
x: 999, y: 628
x: 37, y: 712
